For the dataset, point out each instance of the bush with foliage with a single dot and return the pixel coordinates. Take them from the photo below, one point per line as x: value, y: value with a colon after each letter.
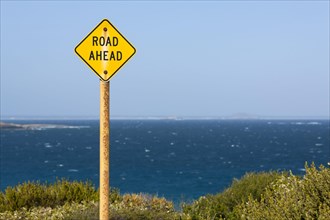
x: 77, y: 200
x: 269, y: 195
x: 221, y: 205
x: 48, y: 213
x: 129, y: 206
x: 35, y: 194
x: 134, y: 206
x: 292, y: 197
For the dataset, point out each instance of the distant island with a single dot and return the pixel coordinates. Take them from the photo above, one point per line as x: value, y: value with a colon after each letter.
x: 4, y: 125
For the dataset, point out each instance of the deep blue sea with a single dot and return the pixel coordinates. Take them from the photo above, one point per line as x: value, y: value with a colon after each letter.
x: 178, y: 159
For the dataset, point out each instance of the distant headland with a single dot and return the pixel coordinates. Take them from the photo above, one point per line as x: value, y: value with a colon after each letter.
x: 4, y: 125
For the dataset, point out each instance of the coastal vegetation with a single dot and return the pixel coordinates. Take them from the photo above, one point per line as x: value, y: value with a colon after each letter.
x: 265, y: 195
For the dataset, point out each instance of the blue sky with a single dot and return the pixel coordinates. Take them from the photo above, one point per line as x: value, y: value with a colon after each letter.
x: 268, y: 58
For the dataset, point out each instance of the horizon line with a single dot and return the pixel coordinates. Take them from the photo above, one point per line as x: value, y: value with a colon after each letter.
x: 230, y: 117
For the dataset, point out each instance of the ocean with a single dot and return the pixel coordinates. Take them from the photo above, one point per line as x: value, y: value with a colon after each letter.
x: 178, y: 159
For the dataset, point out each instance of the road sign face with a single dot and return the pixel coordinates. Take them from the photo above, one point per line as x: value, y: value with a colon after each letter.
x: 105, y: 50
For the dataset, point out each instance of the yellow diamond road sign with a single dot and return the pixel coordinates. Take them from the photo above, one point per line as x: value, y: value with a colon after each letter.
x: 105, y: 50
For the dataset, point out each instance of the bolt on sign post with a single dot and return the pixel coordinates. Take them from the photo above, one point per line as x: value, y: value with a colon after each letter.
x: 105, y: 50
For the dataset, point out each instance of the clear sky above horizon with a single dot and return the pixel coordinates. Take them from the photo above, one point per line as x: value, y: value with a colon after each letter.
x: 268, y: 58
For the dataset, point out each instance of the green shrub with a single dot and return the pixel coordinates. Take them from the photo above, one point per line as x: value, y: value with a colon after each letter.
x: 292, y: 198
x: 34, y: 194
x: 221, y: 205
x: 269, y: 195
x: 77, y: 200
x: 45, y: 213
x: 132, y: 206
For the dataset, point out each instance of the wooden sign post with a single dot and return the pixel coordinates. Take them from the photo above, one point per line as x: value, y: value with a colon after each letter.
x: 104, y: 149
x: 105, y: 51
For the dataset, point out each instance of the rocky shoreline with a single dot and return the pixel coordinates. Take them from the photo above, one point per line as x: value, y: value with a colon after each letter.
x: 4, y: 125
